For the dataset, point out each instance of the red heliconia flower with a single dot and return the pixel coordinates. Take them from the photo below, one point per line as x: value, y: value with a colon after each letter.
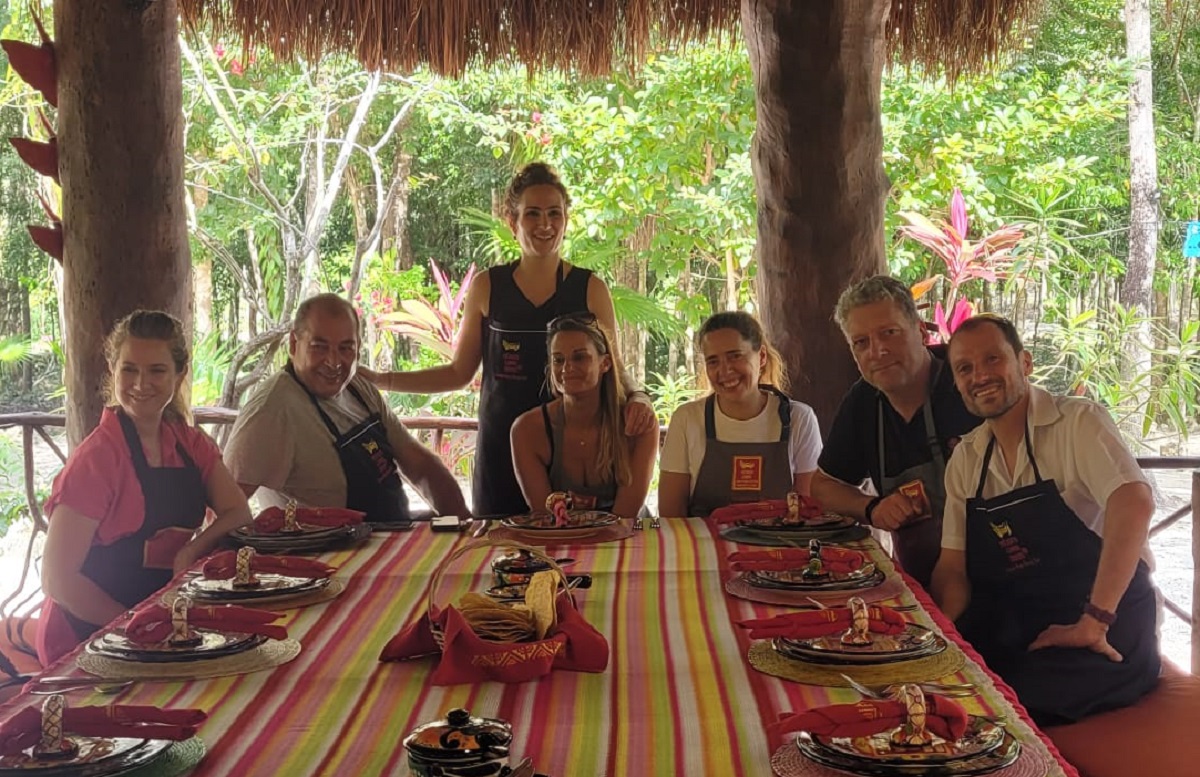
x: 546, y: 140
x: 235, y: 67
x: 219, y: 51
x: 536, y: 118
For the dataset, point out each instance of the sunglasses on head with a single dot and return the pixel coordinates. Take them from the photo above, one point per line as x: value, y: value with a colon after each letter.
x: 583, y: 318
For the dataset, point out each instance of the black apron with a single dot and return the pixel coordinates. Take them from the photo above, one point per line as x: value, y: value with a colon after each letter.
x: 918, y: 544
x: 743, y: 471
x: 373, y: 484
x: 514, y: 379
x: 175, y: 497
x: 1032, y: 562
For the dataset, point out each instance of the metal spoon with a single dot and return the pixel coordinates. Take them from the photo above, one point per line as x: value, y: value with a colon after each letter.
x: 103, y: 687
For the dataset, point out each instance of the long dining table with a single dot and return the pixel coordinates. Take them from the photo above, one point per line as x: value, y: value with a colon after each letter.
x: 679, y: 696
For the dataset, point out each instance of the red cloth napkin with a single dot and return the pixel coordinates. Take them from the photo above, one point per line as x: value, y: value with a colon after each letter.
x: 223, y: 566
x: 24, y: 730
x: 841, y: 560
x: 270, y: 521
x: 573, y: 645
x: 152, y: 624
x: 944, y: 717
x: 822, y: 623
x: 764, y: 510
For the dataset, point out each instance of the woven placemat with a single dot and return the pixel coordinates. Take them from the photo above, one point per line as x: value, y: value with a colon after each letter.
x: 287, y: 601
x: 737, y: 586
x: 920, y: 670
x: 792, y: 539
x: 618, y: 531
x: 270, y: 654
x: 788, y: 761
x: 178, y: 759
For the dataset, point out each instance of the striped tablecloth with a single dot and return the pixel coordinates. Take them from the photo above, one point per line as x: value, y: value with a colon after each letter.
x: 679, y: 697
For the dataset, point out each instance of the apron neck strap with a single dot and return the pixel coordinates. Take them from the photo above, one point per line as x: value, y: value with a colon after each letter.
x: 987, y: 460
x: 931, y: 433
x: 140, y: 464
x: 785, y: 413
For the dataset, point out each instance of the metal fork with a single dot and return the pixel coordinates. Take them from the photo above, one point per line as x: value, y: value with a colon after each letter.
x: 942, y: 689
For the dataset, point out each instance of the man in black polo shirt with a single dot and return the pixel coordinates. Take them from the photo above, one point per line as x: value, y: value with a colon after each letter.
x: 904, y: 410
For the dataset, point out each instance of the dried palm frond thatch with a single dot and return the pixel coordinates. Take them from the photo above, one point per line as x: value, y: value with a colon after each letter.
x: 584, y: 35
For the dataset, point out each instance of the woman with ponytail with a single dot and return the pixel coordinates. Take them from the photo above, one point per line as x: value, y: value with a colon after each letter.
x: 746, y: 440
x: 124, y: 509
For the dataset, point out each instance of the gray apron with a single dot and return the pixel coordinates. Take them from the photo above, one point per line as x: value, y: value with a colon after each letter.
x: 743, y: 471
x: 918, y: 544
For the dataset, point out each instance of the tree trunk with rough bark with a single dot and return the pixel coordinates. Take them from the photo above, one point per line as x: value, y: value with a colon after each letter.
x: 120, y: 127
x: 1137, y: 288
x: 818, y: 168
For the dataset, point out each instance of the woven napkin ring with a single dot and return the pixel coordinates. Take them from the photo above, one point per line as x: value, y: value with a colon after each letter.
x: 53, y: 744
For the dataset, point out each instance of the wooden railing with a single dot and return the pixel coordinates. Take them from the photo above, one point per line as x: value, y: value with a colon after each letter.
x: 434, y: 429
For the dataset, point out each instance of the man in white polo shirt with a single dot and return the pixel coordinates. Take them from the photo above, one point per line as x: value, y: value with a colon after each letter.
x: 1044, y: 561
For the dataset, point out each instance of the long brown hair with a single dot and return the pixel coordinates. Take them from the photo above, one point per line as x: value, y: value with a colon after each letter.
x: 614, y: 450
x: 774, y: 373
x: 152, y: 325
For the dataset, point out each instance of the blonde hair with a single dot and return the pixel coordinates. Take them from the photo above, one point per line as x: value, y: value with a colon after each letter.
x: 613, y: 454
x: 774, y: 373
x: 152, y: 325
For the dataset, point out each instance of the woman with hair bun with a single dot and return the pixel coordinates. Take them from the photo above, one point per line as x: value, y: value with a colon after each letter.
x: 504, y: 329
x: 746, y: 440
x: 125, y: 508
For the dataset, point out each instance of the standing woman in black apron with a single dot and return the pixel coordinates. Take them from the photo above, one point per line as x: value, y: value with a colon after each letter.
x: 124, y: 510
x: 504, y: 329
x: 746, y: 440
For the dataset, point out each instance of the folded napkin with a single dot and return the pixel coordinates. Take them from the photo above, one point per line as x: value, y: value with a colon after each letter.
x: 24, y: 730
x: 152, y: 624
x: 943, y: 717
x: 223, y: 566
x: 765, y: 510
x: 822, y: 623
x: 573, y: 645
x: 270, y: 521
x: 840, y: 560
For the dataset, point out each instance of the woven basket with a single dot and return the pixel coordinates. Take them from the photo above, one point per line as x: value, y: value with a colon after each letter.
x: 435, y: 584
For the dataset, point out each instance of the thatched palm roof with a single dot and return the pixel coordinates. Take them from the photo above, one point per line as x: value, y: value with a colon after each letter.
x: 449, y: 35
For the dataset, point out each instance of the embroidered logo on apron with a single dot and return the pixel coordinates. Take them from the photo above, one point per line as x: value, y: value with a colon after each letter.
x: 747, y: 473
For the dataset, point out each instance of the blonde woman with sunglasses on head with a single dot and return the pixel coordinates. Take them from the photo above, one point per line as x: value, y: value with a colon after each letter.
x: 504, y: 329
x: 577, y: 442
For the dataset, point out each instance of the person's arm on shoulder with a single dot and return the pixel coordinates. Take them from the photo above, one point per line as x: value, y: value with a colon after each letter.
x: 531, y: 457
x: 68, y: 540
x: 468, y: 354
x: 639, y: 409
x: 643, y: 450
x: 228, y: 501
x: 674, y: 474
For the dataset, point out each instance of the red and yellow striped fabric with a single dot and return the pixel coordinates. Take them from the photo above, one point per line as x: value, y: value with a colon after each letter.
x: 679, y: 696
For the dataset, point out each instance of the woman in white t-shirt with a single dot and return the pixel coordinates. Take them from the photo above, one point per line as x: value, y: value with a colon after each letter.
x: 746, y: 440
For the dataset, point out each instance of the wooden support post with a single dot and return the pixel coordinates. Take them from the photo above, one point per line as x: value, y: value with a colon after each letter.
x: 818, y: 170
x: 120, y: 129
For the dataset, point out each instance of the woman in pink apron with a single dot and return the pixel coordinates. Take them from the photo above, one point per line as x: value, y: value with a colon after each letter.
x: 124, y: 510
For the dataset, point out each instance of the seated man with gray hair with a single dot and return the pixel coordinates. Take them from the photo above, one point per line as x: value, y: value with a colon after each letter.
x: 895, y: 427
x: 318, y: 434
